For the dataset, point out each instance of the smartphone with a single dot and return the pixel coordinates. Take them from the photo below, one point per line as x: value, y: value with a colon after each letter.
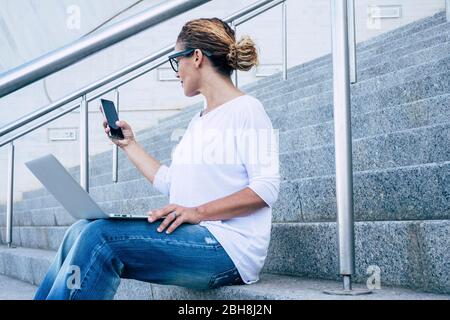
x: 110, y: 113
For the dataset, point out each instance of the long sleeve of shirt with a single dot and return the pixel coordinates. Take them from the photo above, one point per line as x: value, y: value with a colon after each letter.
x: 257, y: 146
x: 161, y: 182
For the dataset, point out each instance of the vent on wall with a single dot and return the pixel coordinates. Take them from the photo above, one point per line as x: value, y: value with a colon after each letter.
x: 265, y: 70
x: 379, y: 12
x: 385, y: 12
x: 62, y: 134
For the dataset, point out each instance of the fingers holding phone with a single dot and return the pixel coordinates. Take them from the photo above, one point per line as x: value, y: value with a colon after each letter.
x: 119, y: 132
x: 127, y: 134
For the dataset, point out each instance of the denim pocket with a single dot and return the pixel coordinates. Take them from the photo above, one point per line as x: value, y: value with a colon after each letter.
x: 226, y: 278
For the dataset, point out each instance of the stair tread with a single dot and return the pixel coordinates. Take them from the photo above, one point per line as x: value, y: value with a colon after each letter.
x: 270, y: 286
x: 13, y: 289
x: 417, y: 59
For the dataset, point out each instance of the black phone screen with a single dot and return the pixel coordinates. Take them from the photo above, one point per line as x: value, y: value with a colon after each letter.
x: 110, y: 113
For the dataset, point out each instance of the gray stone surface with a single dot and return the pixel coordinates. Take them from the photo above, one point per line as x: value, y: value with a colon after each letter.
x: 411, y: 58
x: 12, y: 289
x: 388, y: 40
x: 420, y: 192
x: 404, y: 148
x: 279, y: 287
x: 314, y: 80
x: 414, y: 192
x: 367, y: 97
x: 270, y: 286
x: 409, y: 253
x: 365, y: 59
x: 400, y: 124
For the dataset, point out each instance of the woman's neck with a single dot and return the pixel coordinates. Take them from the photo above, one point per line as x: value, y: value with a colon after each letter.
x: 217, y: 96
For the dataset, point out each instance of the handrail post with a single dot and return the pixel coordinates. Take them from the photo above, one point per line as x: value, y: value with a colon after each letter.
x: 352, y: 40
x: 115, y: 155
x: 10, y: 196
x: 447, y: 9
x: 84, y: 143
x: 234, y: 27
x: 284, y: 37
x: 343, y: 145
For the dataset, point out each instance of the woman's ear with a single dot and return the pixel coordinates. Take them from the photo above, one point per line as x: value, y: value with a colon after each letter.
x: 198, y: 55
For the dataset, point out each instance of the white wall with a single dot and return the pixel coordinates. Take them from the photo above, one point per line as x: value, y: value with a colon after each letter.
x: 146, y: 100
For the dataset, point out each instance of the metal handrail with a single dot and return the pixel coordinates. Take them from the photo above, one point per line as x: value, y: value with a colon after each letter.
x: 342, y: 122
x: 114, y: 76
x: 97, y: 95
x: 258, y: 12
x: 83, y: 91
x: 59, y: 59
x: 352, y: 40
x: 447, y: 10
x: 147, y: 64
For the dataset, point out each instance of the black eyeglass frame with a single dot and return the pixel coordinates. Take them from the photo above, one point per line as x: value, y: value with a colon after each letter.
x: 185, y: 53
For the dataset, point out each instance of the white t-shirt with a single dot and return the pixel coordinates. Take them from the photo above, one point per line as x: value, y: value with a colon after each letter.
x: 222, y: 152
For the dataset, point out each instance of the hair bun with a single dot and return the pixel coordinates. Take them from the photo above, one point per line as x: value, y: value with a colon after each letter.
x: 232, y: 55
x: 243, y: 55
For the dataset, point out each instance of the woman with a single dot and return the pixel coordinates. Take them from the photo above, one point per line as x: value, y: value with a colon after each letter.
x: 222, y: 182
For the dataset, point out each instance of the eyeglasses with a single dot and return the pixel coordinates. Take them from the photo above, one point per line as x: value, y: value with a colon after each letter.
x: 186, y: 53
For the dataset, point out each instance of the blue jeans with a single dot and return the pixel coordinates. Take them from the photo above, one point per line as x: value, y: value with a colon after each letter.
x: 96, y: 254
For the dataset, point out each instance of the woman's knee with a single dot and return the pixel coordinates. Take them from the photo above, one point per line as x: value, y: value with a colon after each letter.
x: 76, y: 228
x: 95, y: 229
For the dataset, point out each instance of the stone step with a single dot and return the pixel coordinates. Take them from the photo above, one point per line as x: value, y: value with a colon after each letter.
x: 323, y: 91
x: 435, y: 66
x: 13, y: 289
x: 410, y: 254
x: 399, y: 149
x: 389, y: 38
x: 317, y: 94
x: 373, y: 70
x: 402, y: 148
x: 406, y: 193
x: 270, y: 287
x: 314, y: 126
x: 433, y: 55
x: 405, y: 31
x: 309, y: 85
x: 365, y: 59
x: 373, y: 66
x: 400, y: 130
x: 25, y: 269
x: 378, y: 195
x: 408, y: 92
x: 320, y: 130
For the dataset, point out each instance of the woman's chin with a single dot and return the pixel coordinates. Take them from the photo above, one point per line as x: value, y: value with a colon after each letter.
x: 191, y: 94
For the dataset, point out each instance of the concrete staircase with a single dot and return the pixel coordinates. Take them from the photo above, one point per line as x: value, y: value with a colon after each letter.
x: 401, y: 150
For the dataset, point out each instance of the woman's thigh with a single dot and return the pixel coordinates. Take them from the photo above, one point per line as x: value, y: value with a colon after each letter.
x: 190, y: 256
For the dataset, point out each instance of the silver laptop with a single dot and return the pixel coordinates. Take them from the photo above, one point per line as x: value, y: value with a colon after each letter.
x: 58, y: 181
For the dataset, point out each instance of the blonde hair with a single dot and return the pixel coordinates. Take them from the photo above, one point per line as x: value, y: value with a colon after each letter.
x: 217, y: 37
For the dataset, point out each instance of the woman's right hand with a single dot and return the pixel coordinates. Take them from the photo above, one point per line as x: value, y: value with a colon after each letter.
x: 127, y: 134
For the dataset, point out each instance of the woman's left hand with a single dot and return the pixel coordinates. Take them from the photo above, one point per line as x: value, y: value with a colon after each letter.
x: 183, y: 215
